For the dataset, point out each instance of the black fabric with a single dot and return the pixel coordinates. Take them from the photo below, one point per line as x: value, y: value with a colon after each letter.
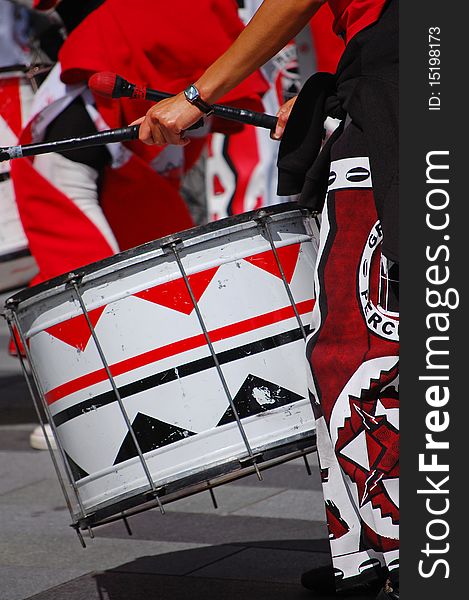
x: 301, y: 141
x: 72, y: 12
x: 48, y: 32
x: 365, y: 87
x: 75, y: 121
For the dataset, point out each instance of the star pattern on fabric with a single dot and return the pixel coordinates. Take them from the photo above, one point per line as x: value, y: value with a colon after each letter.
x: 368, y: 445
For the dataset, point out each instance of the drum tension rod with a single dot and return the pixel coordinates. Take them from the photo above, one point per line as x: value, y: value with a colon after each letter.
x: 126, y: 523
x: 76, y: 527
x: 212, y: 496
x: 308, y: 468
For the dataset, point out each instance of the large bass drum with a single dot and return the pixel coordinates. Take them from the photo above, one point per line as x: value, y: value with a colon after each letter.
x: 177, y: 365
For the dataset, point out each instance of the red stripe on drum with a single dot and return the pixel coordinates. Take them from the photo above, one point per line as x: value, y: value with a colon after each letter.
x: 175, y: 348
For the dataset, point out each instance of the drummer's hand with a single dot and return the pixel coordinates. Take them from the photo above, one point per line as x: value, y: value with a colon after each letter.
x: 282, y: 115
x: 166, y: 122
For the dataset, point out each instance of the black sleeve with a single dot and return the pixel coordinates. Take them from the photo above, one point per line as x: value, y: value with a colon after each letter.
x: 72, y: 122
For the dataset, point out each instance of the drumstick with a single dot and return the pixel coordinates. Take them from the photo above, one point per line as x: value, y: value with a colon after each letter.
x: 111, y: 85
x: 109, y: 136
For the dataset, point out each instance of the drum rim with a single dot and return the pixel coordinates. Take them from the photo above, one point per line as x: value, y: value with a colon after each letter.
x: 157, y: 244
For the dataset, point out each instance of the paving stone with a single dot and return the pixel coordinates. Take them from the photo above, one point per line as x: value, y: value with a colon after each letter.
x: 289, y: 475
x: 9, y: 365
x: 17, y: 584
x: 264, y: 564
x: 16, y: 405
x: 183, y: 562
x: 290, y: 504
x: 45, y: 493
x: 229, y: 499
x: 119, y: 586
x: 65, y: 552
x: 18, y: 469
x: 213, y: 529
x: 306, y: 545
x: 15, y: 438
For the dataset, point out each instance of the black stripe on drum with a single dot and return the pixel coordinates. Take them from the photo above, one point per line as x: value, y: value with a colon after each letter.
x: 174, y: 373
x: 4, y: 176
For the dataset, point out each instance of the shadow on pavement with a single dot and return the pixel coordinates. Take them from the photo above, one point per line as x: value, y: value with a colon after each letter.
x: 244, y: 571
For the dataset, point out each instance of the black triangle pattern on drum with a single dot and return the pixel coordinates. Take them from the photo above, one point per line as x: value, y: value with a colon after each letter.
x: 77, y: 472
x: 257, y: 395
x: 151, y: 433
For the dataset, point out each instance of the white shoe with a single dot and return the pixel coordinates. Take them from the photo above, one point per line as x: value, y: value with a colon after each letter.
x: 38, y: 441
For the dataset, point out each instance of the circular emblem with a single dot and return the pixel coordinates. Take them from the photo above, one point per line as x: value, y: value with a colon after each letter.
x: 377, y: 320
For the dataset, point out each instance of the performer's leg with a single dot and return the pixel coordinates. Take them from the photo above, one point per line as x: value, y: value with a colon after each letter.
x: 354, y: 356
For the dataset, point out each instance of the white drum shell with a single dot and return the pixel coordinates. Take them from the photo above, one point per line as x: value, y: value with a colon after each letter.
x: 161, y: 362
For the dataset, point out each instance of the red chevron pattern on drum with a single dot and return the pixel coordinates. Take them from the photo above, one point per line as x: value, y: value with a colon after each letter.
x: 288, y: 257
x: 174, y: 294
x: 75, y: 332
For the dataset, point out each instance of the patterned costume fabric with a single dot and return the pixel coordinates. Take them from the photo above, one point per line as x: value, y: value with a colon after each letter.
x: 354, y: 355
x: 354, y: 344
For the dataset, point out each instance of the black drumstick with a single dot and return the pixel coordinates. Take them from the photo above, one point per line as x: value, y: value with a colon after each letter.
x: 111, y: 85
x: 109, y: 136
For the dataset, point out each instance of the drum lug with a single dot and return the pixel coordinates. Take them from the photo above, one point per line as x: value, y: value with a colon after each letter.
x: 11, y: 303
x: 74, y: 278
x: 252, y: 461
x: 261, y: 217
x: 170, y: 242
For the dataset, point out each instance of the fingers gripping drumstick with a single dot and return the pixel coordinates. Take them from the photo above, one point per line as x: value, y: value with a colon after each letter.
x: 111, y: 85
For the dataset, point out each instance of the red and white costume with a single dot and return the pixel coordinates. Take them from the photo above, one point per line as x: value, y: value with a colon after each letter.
x: 354, y: 345
x: 138, y: 199
x: 16, y: 95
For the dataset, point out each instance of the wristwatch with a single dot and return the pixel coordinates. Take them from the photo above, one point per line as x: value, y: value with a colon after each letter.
x: 193, y: 96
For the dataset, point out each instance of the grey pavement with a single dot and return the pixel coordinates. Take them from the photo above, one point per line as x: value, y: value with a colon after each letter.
x: 253, y: 547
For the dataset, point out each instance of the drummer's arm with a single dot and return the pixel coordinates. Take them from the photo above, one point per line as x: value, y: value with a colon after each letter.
x: 274, y: 24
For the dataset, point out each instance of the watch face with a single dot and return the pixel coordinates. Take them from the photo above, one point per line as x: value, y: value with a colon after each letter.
x: 191, y: 93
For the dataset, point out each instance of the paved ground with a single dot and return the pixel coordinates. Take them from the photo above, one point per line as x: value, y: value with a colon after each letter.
x: 253, y: 547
